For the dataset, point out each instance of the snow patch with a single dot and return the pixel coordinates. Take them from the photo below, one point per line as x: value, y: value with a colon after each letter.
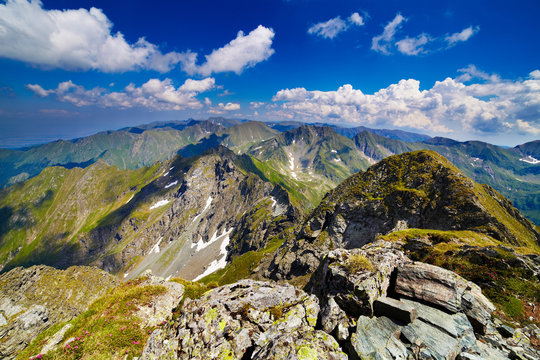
x: 159, y: 203
x: 222, y: 261
x: 530, y: 160
x: 337, y: 160
x: 208, y: 202
x: 274, y: 202
x: 168, y: 278
x: 155, y: 248
x: 167, y: 173
x: 333, y: 151
x: 258, y: 147
x: 291, y: 164
x: 130, y: 198
x: 171, y: 184
x: 200, y: 245
x: 126, y: 275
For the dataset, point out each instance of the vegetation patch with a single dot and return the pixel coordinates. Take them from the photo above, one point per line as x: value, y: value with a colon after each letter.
x: 357, y: 262
x: 109, y: 328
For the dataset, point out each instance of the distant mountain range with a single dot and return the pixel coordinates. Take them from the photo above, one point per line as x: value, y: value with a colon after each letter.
x: 307, y: 160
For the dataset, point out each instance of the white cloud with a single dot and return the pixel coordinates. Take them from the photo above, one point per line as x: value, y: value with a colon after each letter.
x: 413, y: 46
x: 243, y: 52
x: 463, y: 35
x: 229, y: 106
x: 154, y: 94
x: 256, y: 104
x: 526, y: 128
x: 382, y: 42
x: 487, y: 105
x: 38, y: 90
x: 328, y: 29
x: 333, y: 27
x: 74, y: 40
x: 356, y: 19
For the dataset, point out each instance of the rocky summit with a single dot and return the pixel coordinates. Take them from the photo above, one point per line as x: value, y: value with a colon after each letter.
x: 413, y: 190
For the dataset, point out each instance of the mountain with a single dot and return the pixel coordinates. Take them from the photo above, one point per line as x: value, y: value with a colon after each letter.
x: 125, y: 149
x: 176, y: 217
x: 350, y: 132
x: 237, y: 138
x: 413, y: 190
x: 308, y: 161
x: 503, y: 169
x: 391, y: 134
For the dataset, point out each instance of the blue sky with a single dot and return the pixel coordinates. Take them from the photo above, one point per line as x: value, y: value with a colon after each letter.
x: 460, y: 69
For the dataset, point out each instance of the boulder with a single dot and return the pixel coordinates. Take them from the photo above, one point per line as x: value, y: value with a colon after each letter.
x: 356, y: 278
x: 445, y: 289
x: 248, y: 317
x: 377, y: 338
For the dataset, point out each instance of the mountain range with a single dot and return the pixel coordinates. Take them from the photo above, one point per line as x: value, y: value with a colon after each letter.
x: 240, y: 239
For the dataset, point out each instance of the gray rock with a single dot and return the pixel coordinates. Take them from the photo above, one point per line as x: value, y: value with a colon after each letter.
x: 307, y: 343
x: 55, y: 339
x: 245, y: 317
x: 446, y: 289
x: 377, y: 338
x: 440, y: 345
x: 394, y: 309
x: 161, y: 307
x: 455, y: 325
x: 353, y: 288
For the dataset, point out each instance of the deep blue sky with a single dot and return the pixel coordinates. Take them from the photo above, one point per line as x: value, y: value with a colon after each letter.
x: 495, y: 99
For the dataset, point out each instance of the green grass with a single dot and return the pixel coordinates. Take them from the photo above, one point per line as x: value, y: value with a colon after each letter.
x: 242, y: 266
x: 508, y: 285
x: 109, y: 329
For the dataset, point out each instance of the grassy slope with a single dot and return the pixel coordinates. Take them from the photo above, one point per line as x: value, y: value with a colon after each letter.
x: 109, y: 328
x: 48, y: 212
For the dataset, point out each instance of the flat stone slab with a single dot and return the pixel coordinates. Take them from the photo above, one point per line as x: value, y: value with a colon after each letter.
x: 394, y: 309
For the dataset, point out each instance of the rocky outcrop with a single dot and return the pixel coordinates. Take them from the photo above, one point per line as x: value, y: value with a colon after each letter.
x: 382, y: 305
x: 33, y: 299
x: 445, y: 289
x: 413, y: 190
x: 248, y: 319
x: 212, y: 208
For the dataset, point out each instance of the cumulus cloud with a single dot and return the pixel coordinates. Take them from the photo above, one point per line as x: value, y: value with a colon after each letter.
x: 413, y: 46
x: 356, y: 19
x: 243, y: 52
x: 463, y: 35
x: 221, y: 108
x: 331, y: 28
x: 381, y: 43
x: 256, y: 104
x: 74, y: 40
x: 154, y: 94
x: 488, y: 104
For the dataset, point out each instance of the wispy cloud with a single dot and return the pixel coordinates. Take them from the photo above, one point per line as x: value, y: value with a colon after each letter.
x: 333, y: 27
x: 423, y: 43
x: 154, y: 94
x: 383, y: 42
x: 461, y: 36
x: 480, y: 103
x: 243, y: 52
x: 413, y: 46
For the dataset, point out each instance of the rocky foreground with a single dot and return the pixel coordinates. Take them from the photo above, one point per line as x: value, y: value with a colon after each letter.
x: 370, y: 303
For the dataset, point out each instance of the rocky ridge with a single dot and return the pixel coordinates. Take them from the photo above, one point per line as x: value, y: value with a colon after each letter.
x: 414, y: 190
